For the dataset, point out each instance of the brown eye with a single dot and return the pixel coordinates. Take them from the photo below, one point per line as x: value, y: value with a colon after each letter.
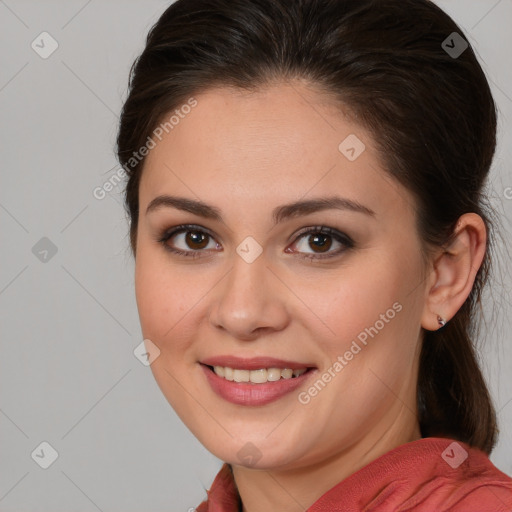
x: 190, y: 240
x: 196, y: 239
x: 187, y: 240
x: 316, y: 243
x: 320, y: 241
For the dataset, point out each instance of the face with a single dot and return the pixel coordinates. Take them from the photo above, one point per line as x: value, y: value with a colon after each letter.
x: 334, y: 287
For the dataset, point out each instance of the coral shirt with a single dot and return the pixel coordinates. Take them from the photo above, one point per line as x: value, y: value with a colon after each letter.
x: 428, y: 475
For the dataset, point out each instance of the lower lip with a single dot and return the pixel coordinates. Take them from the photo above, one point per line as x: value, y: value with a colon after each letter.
x: 247, y: 393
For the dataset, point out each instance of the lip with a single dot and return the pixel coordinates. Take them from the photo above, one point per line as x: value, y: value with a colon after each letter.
x: 254, y: 363
x: 251, y: 394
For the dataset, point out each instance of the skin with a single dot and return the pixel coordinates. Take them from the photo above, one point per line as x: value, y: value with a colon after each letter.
x: 247, y: 153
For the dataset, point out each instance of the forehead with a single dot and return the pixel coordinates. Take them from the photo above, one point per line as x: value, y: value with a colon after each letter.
x: 271, y: 145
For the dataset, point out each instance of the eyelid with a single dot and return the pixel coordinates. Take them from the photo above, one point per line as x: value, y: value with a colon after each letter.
x: 321, y: 229
x: 167, y: 233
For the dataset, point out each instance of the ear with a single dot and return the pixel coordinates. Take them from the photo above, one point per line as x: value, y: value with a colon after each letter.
x: 454, y: 271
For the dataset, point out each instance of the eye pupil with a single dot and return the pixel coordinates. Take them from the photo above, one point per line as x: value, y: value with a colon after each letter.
x: 321, y: 241
x: 194, y: 237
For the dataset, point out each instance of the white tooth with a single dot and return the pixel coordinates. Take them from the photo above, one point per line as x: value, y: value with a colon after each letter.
x: 219, y: 370
x: 273, y: 374
x: 258, y: 376
x: 241, y: 375
x: 286, y: 373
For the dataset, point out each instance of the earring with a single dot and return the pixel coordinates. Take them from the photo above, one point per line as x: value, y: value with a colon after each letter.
x: 441, y: 321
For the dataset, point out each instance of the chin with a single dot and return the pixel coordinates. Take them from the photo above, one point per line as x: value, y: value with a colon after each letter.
x: 255, y: 453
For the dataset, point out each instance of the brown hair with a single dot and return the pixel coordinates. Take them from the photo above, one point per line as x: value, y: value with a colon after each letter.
x: 430, y: 112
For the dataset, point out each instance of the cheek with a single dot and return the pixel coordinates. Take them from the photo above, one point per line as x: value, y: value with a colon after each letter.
x: 370, y: 315
x: 166, y: 307
x: 357, y: 296
x: 163, y: 298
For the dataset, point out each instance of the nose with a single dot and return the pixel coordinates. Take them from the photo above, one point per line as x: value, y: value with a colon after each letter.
x: 250, y: 301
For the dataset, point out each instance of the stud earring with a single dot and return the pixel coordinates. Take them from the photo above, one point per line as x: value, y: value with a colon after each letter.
x: 441, y: 321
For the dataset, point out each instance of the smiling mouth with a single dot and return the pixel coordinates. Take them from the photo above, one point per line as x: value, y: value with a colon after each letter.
x: 255, y: 385
x: 258, y: 376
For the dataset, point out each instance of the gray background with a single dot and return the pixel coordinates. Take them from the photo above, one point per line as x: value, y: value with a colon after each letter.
x: 69, y: 321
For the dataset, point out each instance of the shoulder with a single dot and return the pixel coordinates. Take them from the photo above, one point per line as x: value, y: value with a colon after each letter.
x: 451, y: 476
x: 427, y: 475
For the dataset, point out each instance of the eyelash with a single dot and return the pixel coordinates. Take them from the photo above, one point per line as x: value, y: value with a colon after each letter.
x: 315, y: 230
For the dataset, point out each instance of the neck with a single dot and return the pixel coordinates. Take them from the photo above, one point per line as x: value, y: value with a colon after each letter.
x: 295, y: 490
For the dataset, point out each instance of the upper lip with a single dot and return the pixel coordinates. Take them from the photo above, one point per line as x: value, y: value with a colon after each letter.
x: 253, y: 363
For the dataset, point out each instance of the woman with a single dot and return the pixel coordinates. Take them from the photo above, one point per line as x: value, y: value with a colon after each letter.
x: 305, y: 193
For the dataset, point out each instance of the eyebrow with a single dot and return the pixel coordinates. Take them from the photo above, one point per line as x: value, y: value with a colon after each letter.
x: 279, y: 214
